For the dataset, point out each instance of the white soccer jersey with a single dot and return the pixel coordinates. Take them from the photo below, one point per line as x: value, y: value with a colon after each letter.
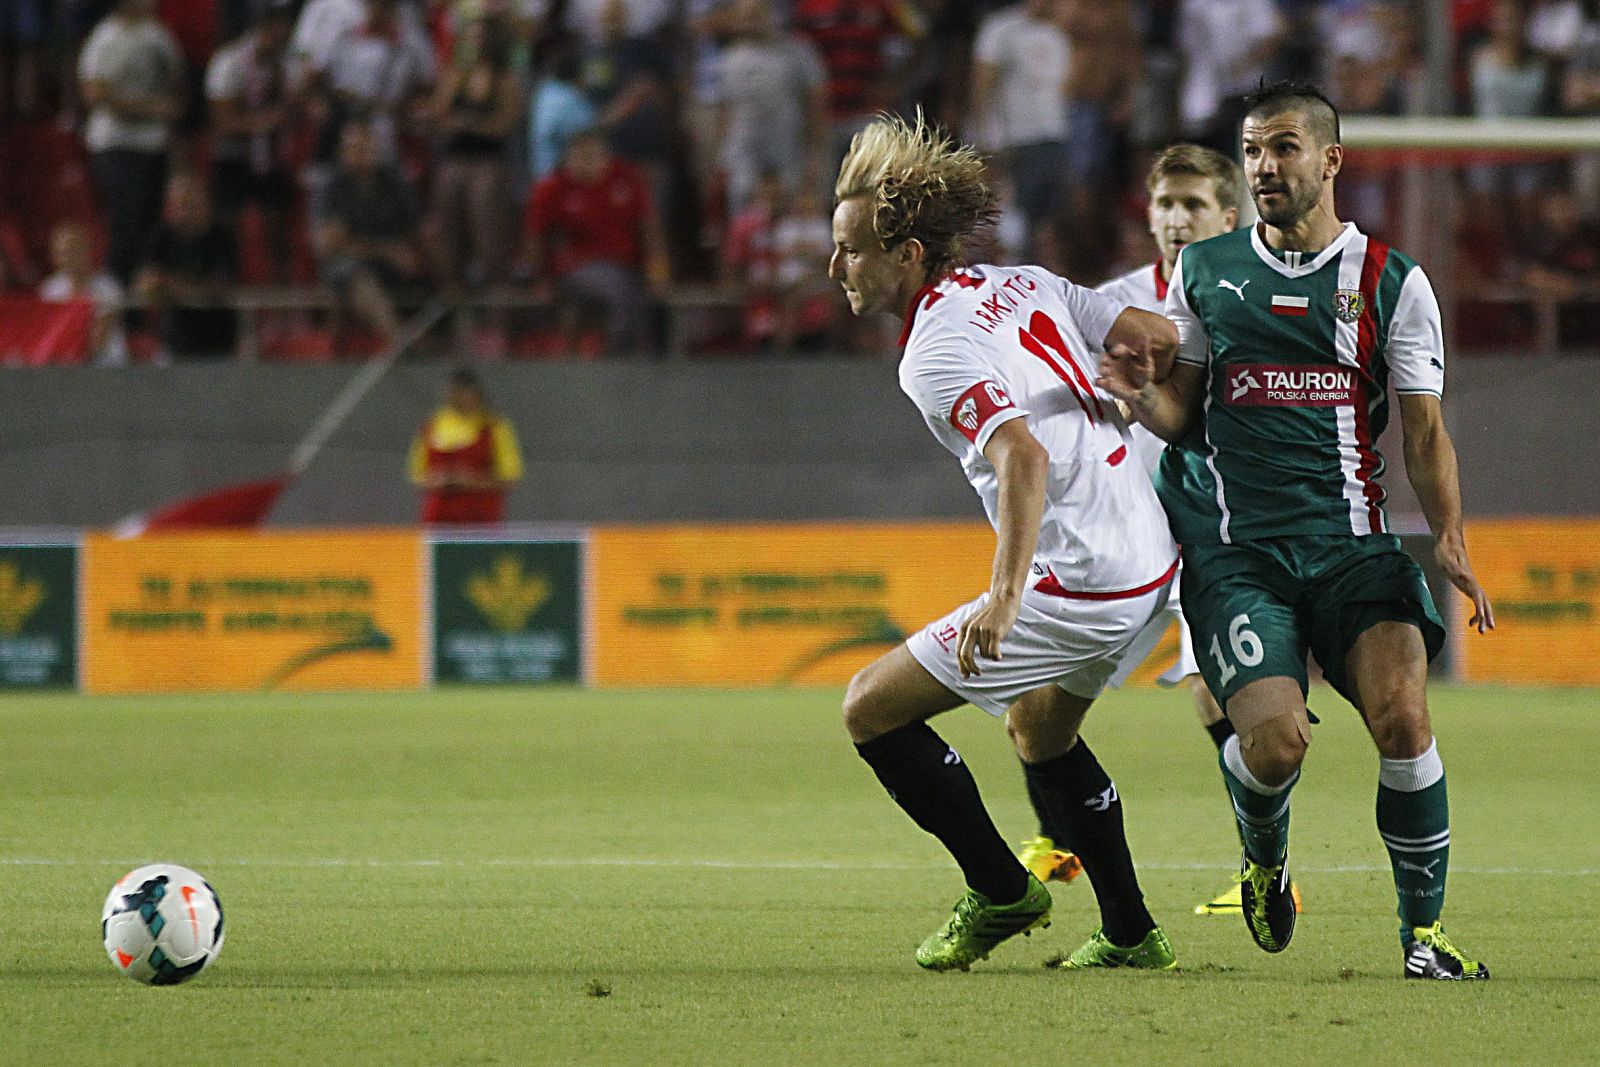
x: 1145, y: 289
x: 989, y: 344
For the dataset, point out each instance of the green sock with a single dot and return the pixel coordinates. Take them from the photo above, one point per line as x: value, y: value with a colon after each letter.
x: 1414, y: 822
x: 1261, y: 810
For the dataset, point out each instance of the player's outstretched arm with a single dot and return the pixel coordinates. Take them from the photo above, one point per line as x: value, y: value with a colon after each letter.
x: 1165, y: 408
x: 1431, y: 468
x: 1144, y: 331
x: 1021, y: 466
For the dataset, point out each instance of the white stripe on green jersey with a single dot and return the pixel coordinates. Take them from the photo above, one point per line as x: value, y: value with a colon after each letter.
x: 1298, y: 360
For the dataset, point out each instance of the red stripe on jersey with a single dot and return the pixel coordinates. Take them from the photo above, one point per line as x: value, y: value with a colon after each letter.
x: 1052, y: 587
x: 1289, y: 309
x: 1036, y: 346
x: 932, y: 297
x: 1045, y: 328
x: 1366, y: 344
x: 1161, y: 282
x: 974, y: 408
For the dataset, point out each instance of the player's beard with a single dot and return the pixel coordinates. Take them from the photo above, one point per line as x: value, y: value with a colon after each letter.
x: 1294, y: 205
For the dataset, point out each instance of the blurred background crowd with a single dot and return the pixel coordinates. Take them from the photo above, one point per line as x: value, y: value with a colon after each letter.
x: 289, y: 179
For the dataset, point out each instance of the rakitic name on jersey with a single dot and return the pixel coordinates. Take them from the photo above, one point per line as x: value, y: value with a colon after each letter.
x: 1287, y: 386
x: 1005, y: 300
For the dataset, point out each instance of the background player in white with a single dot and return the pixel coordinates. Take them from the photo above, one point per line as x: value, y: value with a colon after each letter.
x: 1194, y: 194
x: 1000, y: 363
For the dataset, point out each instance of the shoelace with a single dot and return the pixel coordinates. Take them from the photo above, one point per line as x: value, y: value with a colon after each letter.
x: 965, y: 916
x: 1260, y: 878
x: 1434, y: 937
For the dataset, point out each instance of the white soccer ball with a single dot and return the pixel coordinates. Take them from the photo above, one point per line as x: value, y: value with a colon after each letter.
x: 162, y: 924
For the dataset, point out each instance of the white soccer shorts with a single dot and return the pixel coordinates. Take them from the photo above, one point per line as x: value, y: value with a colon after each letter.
x: 1150, y: 637
x: 1074, y: 644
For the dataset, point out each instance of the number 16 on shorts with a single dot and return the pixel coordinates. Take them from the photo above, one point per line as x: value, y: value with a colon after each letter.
x: 1244, y: 650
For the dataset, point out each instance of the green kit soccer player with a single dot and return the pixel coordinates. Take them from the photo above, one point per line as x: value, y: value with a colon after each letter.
x: 1291, y: 333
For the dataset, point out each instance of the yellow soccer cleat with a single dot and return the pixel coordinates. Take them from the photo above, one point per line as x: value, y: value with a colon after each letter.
x: 1048, y: 863
x: 1230, y: 902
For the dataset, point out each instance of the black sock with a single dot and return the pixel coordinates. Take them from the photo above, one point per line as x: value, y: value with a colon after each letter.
x: 1046, y: 827
x: 1085, y: 809
x: 927, y: 779
x: 1220, y: 731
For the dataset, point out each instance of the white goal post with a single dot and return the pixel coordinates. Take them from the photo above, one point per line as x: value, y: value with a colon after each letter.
x: 1428, y: 154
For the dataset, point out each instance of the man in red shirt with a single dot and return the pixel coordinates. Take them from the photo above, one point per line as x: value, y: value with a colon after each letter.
x: 853, y: 38
x: 465, y: 458
x: 592, y: 233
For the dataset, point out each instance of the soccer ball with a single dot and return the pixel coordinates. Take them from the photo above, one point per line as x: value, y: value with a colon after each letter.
x: 162, y: 924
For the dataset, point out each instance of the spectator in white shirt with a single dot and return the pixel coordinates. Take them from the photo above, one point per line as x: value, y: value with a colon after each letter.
x: 132, y: 78
x: 76, y: 278
x: 1226, y: 46
x: 1022, y: 60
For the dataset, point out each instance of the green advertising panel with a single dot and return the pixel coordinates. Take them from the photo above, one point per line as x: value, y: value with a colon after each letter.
x: 507, y: 611
x: 38, y: 616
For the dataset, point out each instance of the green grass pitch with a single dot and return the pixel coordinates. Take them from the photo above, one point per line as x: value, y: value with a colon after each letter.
x: 690, y: 877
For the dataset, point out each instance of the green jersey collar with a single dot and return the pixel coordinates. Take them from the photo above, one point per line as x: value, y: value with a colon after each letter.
x: 1304, y: 267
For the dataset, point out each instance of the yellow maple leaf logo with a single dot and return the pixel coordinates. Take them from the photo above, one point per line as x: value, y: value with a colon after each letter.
x: 18, y: 598
x: 506, y: 596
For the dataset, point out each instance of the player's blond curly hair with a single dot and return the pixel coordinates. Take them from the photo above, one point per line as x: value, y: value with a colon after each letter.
x: 923, y: 184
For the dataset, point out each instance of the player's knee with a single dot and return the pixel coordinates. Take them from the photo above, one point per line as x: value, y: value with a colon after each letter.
x: 1037, y: 739
x: 1275, y: 750
x: 1398, y: 721
x: 861, y: 720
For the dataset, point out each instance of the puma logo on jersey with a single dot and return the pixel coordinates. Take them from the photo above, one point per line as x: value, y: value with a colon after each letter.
x: 1223, y: 283
x: 953, y: 758
x: 1103, y: 800
x: 1422, y: 869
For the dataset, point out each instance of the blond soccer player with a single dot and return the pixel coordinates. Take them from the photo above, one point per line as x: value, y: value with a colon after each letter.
x: 1000, y: 363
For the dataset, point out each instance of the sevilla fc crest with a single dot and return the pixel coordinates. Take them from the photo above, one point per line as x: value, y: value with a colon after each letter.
x: 1348, y: 304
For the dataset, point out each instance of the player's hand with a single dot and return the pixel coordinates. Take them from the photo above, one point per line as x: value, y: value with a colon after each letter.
x: 1126, y: 374
x: 983, y: 631
x: 1451, y: 552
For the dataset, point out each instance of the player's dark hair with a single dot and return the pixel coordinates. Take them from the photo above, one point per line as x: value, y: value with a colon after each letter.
x: 1321, y: 116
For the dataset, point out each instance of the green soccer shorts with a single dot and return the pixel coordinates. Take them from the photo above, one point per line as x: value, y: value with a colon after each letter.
x: 1256, y: 608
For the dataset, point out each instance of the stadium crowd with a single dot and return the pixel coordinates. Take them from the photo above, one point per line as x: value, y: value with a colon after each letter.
x: 629, y: 176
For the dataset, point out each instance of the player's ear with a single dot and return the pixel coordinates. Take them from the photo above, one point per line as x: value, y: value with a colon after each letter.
x: 1231, y: 218
x: 1332, y: 160
x: 912, y: 252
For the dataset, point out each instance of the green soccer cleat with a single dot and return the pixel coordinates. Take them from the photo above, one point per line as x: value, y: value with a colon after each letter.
x: 977, y: 926
x: 1268, y: 903
x: 1154, y: 953
x: 1432, y: 955
x: 1048, y: 863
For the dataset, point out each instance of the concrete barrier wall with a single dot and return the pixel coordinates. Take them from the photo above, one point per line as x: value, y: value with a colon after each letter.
x: 645, y: 442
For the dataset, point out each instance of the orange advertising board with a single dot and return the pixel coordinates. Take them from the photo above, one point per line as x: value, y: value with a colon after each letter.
x: 1543, y: 576
x: 771, y: 604
x: 254, y: 610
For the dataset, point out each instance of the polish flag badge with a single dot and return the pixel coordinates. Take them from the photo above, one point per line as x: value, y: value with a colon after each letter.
x: 1290, y: 305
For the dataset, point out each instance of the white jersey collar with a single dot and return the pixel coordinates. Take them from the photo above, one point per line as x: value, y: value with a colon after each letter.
x: 1305, y: 267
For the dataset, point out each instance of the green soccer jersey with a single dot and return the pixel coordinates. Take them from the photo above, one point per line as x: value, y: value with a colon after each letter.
x: 1299, y: 352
